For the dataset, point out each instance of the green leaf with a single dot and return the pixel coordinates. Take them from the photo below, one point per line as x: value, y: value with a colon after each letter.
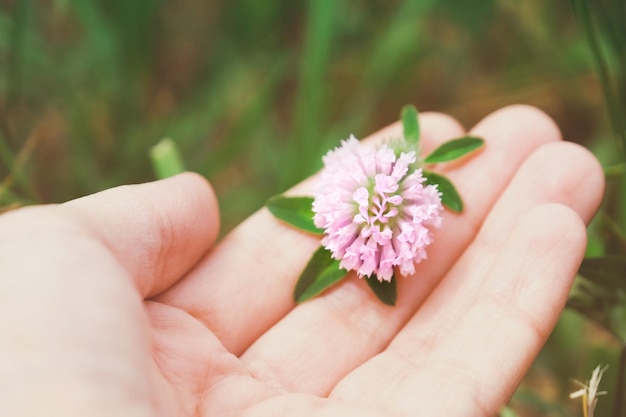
x: 386, y: 291
x: 599, y: 293
x: 454, y: 149
x: 321, y: 272
x: 410, y: 124
x: 450, y: 197
x: 296, y: 211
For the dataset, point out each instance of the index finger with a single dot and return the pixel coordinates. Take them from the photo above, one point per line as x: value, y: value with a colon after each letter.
x: 245, y: 286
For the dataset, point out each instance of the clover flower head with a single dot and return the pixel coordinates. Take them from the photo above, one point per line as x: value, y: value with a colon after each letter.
x: 375, y: 209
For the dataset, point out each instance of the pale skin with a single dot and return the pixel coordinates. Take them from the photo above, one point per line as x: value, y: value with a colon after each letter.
x: 120, y: 303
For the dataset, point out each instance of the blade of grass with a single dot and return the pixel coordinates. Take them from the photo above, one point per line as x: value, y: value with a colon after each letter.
x: 97, y: 53
x: 17, y: 174
x: 100, y: 35
x: 584, y: 16
x: 19, y: 27
x: 308, y: 115
x: 7, y: 155
x: 401, y: 39
x: 166, y: 159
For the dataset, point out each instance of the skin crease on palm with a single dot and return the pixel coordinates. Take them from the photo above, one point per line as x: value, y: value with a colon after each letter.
x: 120, y: 304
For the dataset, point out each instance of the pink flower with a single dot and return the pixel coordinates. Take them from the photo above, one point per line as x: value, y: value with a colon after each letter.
x: 375, y: 210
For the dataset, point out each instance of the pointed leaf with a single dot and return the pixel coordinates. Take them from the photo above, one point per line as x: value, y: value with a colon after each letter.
x: 454, y: 149
x: 296, y: 211
x: 605, y: 306
x: 410, y: 124
x: 386, y: 291
x: 321, y: 272
x: 450, y: 197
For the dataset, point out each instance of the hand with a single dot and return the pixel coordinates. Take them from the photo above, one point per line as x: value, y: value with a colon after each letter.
x: 116, y: 304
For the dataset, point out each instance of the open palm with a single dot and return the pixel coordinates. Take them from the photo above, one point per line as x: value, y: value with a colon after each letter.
x: 117, y: 303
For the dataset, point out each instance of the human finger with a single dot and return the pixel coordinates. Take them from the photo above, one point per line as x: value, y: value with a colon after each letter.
x: 72, y: 321
x: 344, y: 328
x: 246, y: 284
x: 157, y: 231
x: 475, y: 368
x: 562, y: 173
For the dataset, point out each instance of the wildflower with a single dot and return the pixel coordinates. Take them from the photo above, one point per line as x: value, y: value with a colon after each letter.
x: 376, y: 211
x: 589, y: 392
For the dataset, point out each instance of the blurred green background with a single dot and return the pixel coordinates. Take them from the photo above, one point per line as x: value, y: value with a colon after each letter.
x: 254, y: 92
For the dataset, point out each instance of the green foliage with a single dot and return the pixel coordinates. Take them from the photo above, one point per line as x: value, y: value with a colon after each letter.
x: 508, y: 412
x: 166, y: 159
x: 454, y: 149
x: 256, y: 89
x: 253, y: 93
x: 600, y: 293
x: 600, y: 19
x: 296, y: 211
x: 450, y: 196
x: 385, y: 291
x: 321, y: 272
x: 410, y: 125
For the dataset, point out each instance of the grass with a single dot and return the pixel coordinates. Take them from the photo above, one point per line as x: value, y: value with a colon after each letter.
x: 253, y: 93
